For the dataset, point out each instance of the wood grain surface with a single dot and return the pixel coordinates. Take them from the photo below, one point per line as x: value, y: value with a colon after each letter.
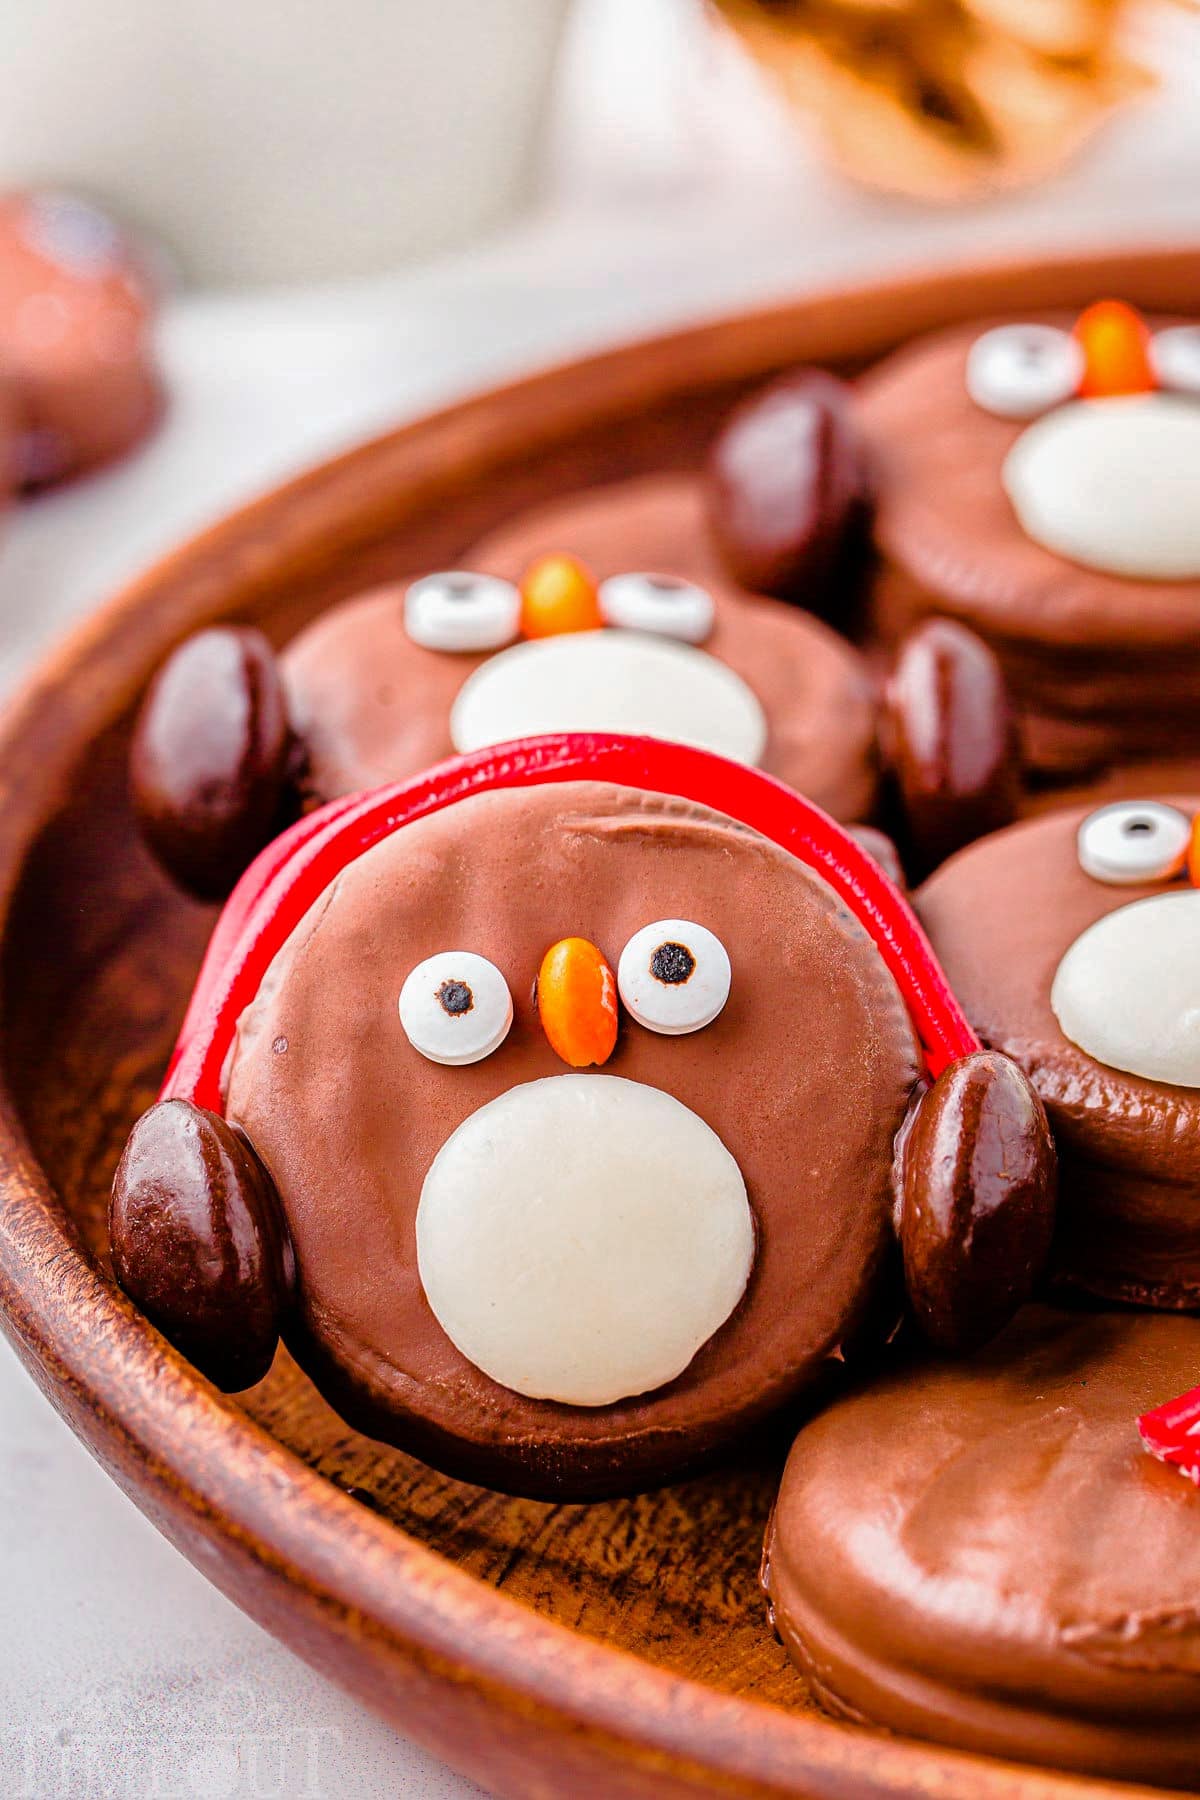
x: 618, y: 1649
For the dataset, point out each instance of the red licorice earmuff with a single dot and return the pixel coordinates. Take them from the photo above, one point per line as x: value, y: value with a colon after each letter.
x: 280, y: 885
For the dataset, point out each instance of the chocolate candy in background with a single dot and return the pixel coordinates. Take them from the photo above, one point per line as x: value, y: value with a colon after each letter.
x: 981, y: 1553
x: 398, y: 679
x: 788, y: 493
x: 1103, y: 665
x: 1009, y: 919
x: 77, y: 305
x: 570, y: 1282
x: 211, y: 758
x: 950, y: 744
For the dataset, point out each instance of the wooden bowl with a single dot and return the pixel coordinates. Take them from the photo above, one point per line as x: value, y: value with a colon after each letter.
x: 619, y: 1649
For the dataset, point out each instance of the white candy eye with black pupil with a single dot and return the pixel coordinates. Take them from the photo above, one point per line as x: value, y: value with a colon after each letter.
x: 673, y: 976
x: 456, y: 1008
x: 1175, y: 356
x: 1019, y: 371
x: 1134, y: 841
x: 662, y: 604
x: 457, y: 610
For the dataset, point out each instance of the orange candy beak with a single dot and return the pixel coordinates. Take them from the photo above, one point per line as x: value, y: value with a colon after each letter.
x: 558, y: 594
x: 577, y: 1002
x: 1115, y: 341
x: 1193, y: 854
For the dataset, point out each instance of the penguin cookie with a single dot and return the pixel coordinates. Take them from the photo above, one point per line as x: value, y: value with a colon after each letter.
x: 628, y: 625
x: 1073, y: 942
x: 1040, y: 483
x: 561, y: 1108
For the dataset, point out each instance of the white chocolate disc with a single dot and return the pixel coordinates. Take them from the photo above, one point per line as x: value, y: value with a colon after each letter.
x: 674, y: 976
x: 580, y: 1237
x: 621, y: 681
x: 1114, y: 485
x: 1133, y: 841
x: 1128, y: 990
x: 458, y: 610
x: 662, y: 604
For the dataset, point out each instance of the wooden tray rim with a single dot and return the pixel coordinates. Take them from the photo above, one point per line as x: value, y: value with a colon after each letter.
x: 127, y: 1402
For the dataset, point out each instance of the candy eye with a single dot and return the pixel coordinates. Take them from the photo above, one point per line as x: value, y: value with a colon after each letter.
x: 456, y: 610
x: 1019, y: 371
x: 662, y: 604
x: 1134, y: 840
x: 673, y: 976
x: 1175, y: 358
x: 456, y: 1008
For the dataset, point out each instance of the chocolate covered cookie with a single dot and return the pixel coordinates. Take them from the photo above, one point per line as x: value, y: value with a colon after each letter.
x: 606, y: 611
x: 1073, y: 942
x: 468, y: 1071
x: 1040, y: 482
x: 77, y: 311
x: 669, y: 646
x: 981, y: 1553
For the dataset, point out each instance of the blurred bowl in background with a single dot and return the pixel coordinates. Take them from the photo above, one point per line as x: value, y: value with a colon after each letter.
x: 265, y: 142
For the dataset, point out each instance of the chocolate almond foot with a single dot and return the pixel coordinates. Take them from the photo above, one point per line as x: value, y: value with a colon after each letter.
x: 977, y: 1200
x: 197, y: 1241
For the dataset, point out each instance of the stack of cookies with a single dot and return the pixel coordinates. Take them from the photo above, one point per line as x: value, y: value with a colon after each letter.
x: 575, y: 1104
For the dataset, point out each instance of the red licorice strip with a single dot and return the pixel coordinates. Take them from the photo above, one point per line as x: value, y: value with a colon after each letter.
x: 1172, y: 1433
x: 276, y: 892
x: 236, y: 911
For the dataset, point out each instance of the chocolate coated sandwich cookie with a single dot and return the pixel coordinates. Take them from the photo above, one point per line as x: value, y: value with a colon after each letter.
x: 563, y: 1110
x: 77, y: 306
x: 605, y: 611
x: 1040, y: 482
x: 1073, y: 942
x: 982, y: 1553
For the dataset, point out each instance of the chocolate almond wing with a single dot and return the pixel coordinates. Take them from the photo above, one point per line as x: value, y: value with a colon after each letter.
x: 198, y: 1241
x: 976, y: 1202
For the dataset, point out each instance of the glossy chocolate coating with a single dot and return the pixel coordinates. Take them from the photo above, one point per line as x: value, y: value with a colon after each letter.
x: 197, y: 1243
x: 786, y: 484
x: 1101, y: 667
x: 348, y: 1116
x: 950, y: 742
x: 211, y: 755
x: 977, y: 1200
x: 980, y: 1552
x: 372, y: 705
x: 1001, y: 915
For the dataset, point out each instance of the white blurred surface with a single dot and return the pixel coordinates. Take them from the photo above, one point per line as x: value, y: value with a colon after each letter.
x: 669, y: 200
x: 275, y: 142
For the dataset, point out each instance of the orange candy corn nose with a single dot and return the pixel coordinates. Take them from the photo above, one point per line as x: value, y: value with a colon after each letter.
x: 1115, y: 341
x: 558, y: 594
x: 577, y: 1002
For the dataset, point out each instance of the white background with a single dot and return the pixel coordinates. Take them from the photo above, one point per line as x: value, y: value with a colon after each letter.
x: 121, y: 1671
